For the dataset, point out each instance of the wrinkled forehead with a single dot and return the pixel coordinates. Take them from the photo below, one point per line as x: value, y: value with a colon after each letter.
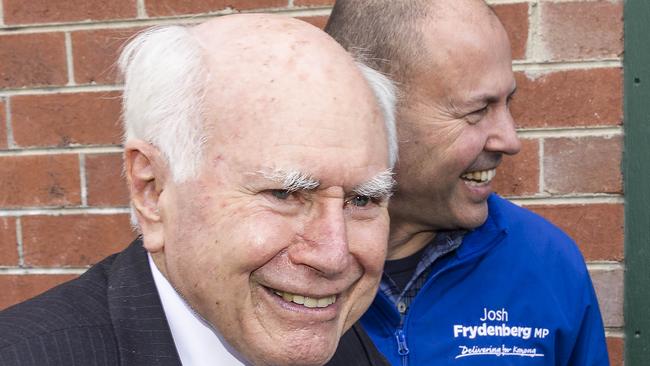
x: 290, y: 88
x: 301, y: 120
x: 310, y: 138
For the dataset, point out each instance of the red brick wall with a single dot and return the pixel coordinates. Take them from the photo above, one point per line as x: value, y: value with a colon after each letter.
x: 63, y: 205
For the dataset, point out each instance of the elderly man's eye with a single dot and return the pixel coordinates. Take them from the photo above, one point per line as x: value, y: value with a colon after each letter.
x: 281, y: 194
x: 360, y: 201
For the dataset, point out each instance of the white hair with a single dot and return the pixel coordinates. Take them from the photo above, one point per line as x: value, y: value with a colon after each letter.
x: 164, y: 82
x: 380, y: 186
x: 164, y: 86
x: 292, y: 180
x: 386, y: 95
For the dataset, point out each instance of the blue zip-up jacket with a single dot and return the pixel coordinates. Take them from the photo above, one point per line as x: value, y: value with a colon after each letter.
x: 516, y: 292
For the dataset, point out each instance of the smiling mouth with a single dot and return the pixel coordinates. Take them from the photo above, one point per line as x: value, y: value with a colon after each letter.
x: 480, y: 177
x: 306, y: 301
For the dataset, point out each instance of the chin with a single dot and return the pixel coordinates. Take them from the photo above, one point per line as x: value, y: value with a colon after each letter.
x: 314, y: 351
x: 472, y: 217
x: 303, y: 355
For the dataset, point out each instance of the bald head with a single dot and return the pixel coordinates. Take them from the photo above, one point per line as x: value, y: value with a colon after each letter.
x: 272, y: 66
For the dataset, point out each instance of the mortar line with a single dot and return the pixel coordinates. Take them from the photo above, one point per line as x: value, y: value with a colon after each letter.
x: 290, y: 4
x: 19, y: 242
x: 11, y: 142
x: 542, y: 186
x: 617, y: 332
x: 595, y: 131
x: 141, y: 10
x: 58, y: 150
x: 2, y: 14
x: 61, y: 90
x: 57, y: 211
x: 605, y: 266
x: 531, y: 45
x: 82, y: 180
x: 166, y: 20
x: 531, y: 65
x: 540, y: 48
x: 69, y: 60
x: 12, y: 271
x: 590, y: 199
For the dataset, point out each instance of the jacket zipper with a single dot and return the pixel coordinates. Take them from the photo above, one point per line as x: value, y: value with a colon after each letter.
x: 387, y: 308
x: 402, y: 347
x: 400, y: 336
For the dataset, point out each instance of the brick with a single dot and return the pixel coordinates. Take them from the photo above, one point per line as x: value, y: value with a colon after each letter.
x: 106, y: 184
x: 581, y: 29
x: 8, y: 243
x: 569, y: 98
x: 177, y: 7
x: 95, y: 53
x: 66, y: 119
x: 609, y: 289
x: 36, y: 59
x: 583, y: 165
x: 73, y: 240
x: 18, y: 288
x: 616, y: 349
x: 515, y: 19
x: 318, y: 21
x: 519, y: 175
x: 313, y: 2
x: 57, y: 11
x: 596, y: 228
x: 3, y: 126
x: 41, y: 180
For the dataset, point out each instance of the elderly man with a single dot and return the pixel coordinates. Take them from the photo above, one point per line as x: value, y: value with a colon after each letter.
x: 471, y: 278
x: 258, y: 161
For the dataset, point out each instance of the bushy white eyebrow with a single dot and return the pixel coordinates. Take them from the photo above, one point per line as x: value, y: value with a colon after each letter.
x: 381, y: 186
x: 292, y: 180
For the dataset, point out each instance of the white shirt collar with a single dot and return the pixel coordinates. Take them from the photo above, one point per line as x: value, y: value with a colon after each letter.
x: 197, y: 343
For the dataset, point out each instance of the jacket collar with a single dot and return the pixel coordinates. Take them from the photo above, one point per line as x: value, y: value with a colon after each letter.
x: 484, y: 237
x: 139, y: 322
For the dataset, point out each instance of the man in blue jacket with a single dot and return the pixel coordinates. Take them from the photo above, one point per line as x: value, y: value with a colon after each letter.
x: 471, y: 278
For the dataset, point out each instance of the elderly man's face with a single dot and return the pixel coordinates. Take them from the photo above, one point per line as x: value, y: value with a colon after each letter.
x: 279, y: 242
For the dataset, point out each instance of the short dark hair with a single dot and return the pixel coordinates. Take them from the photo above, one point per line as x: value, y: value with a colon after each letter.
x: 383, y: 34
x: 387, y: 35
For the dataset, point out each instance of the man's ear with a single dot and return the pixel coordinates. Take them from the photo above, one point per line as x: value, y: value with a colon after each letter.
x: 146, y: 173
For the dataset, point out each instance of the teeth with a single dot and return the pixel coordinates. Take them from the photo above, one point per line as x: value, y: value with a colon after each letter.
x: 482, y: 176
x: 306, y: 301
x: 310, y: 302
x: 323, y: 302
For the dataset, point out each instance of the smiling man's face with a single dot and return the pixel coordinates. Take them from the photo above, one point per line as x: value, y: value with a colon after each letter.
x: 455, y: 125
x: 280, y: 241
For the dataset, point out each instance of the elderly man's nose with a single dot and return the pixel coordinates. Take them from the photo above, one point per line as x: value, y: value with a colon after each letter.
x: 325, y: 246
x: 503, y: 135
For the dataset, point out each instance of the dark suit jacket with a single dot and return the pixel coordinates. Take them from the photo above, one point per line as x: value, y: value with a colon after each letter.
x: 112, y: 315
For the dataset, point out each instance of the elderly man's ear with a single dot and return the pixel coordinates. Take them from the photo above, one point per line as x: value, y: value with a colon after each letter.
x: 146, y: 172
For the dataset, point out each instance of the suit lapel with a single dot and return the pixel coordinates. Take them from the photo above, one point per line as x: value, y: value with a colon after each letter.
x: 140, y: 325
